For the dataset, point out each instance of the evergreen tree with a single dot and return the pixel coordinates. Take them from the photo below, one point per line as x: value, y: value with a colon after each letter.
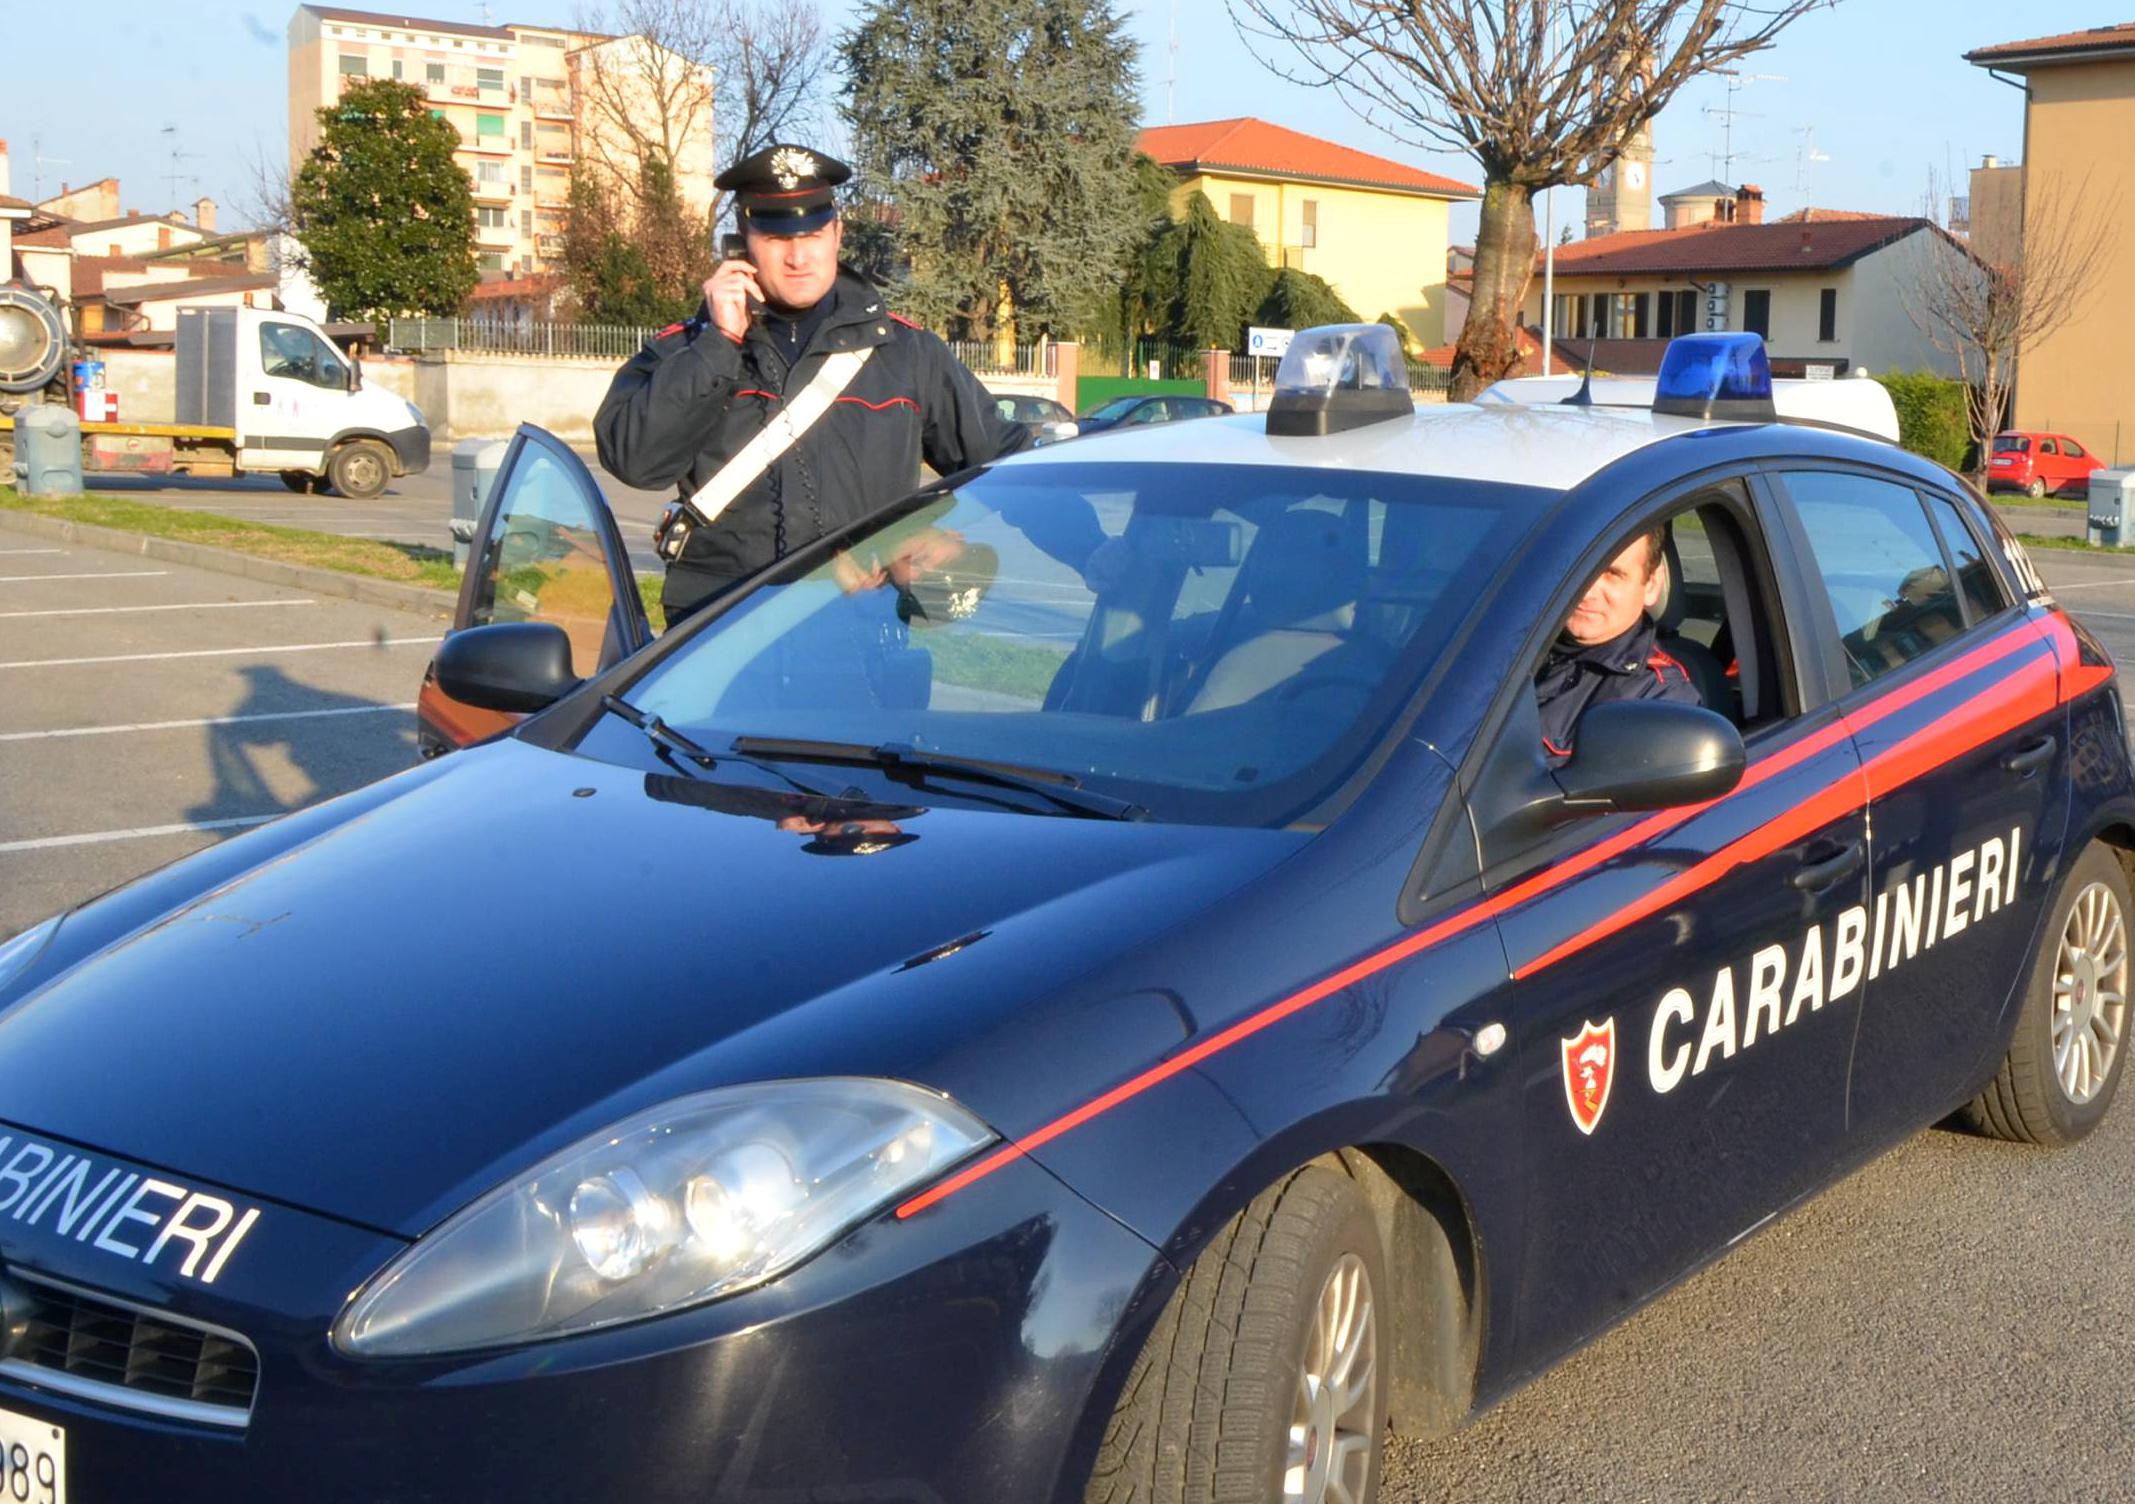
x: 636, y: 258
x: 384, y: 214
x: 1200, y: 280
x: 1299, y: 300
x: 1001, y: 132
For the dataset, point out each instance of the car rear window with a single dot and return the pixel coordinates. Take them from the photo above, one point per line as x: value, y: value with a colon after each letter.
x: 2011, y: 443
x: 1221, y: 644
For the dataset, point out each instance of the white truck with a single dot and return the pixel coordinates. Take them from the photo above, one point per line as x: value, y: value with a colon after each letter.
x: 259, y: 391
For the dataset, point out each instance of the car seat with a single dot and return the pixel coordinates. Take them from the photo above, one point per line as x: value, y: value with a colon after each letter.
x: 1699, y: 662
x: 1291, y: 622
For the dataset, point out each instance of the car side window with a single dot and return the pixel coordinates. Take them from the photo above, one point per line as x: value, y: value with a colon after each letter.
x: 1889, y: 585
x: 1980, y: 586
x: 288, y: 351
x: 293, y: 352
x: 2047, y: 446
x: 544, y: 561
x: 2072, y: 449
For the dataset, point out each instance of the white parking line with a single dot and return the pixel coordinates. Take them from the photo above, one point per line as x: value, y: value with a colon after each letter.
x: 218, y: 720
x: 90, y: 838
x: 120, y: 610
x: 118, y: 574
x: 13, y: 552
x: 291, y: 647
x: 2096, y: 585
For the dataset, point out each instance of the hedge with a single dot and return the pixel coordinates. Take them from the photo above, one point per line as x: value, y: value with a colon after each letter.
x: 1932, y: 421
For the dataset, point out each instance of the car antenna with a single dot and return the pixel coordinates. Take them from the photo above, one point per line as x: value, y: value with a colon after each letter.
x: 1584, y: 397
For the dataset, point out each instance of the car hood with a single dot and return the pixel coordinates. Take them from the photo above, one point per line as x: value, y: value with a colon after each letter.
x: 528, y: 946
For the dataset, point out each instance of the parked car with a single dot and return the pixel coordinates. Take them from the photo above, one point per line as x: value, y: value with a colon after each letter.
x: 2039, y: 464
x: 1084, y: 973
x: 1130, y: 411
x: 1048, y: 421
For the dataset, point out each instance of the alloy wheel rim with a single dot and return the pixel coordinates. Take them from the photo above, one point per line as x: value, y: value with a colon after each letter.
x: 2090, y: 994
x: 1334, y: 1416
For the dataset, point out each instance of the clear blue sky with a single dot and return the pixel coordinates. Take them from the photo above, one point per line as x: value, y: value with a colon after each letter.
x: 1881, y: 83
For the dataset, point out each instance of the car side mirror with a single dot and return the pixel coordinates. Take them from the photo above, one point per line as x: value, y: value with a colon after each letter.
x: 516, y: 665
x: 1650, y: 754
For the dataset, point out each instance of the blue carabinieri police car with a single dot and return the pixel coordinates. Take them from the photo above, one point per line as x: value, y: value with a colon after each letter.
x: 1088, y: 985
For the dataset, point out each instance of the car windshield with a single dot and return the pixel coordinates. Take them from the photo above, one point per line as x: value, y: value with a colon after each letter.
x: 1117, y: 407
x: 1218, y: 644
x: 2011, y: 443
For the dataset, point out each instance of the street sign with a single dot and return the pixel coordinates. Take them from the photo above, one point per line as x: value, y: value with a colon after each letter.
x: 1270, y: 342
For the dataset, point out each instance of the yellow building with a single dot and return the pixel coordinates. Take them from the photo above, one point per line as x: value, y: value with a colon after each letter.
x: 1374, y: 229
x: 2079, y: 117
x: 531, y: 105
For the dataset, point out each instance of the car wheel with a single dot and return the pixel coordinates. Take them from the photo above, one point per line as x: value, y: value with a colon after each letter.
x: 2036, y: 489
x: 2064, y: 1062
x: 360, y: 470
x: 1262, y: 1379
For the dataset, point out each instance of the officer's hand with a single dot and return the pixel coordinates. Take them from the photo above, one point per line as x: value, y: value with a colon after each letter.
x: 727, y: 292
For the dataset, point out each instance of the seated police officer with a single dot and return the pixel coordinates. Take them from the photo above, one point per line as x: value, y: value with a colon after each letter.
x: 794, y: 402
x: 1610, y: 648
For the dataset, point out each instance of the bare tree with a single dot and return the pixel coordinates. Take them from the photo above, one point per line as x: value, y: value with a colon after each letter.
x: 1540, y: 92
x: 1984, y: 314
x: 739, y: 73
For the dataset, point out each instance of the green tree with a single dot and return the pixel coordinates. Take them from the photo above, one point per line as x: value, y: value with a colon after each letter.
x: 1002, y: 134
x: 1298, y: 300
x: 605, y: 270
x: 384, y: 214
x: 1199, y: 281
x: 639, y: 257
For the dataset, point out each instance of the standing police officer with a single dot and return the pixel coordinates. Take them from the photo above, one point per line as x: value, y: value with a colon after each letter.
x: 794, y: 402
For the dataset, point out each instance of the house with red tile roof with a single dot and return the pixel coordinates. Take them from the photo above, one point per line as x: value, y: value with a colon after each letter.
x: 1828, y: 292
x: 1374, y: 228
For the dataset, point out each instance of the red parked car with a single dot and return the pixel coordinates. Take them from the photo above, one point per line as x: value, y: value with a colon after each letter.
x: 2036, y: 463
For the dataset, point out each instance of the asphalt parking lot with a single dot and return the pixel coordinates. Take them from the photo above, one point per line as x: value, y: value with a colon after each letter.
x: 1957, y: 1319
x: 148, y: 709
x: 413, y: 509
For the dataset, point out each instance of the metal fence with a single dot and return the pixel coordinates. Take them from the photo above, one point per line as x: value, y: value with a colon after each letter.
x: 988, y: 358
x: 1250, y: 370
x: 514, y: 337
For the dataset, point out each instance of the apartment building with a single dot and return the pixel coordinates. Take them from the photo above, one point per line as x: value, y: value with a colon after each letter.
x: 2079, y: 116
x: 531, y: 104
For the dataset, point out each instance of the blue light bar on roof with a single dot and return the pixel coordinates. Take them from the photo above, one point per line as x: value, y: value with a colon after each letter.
x: 1716, y: 376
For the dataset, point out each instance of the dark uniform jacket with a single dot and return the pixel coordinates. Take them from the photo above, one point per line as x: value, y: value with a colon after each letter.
x: 1632, y: 666
x: 692, y: 398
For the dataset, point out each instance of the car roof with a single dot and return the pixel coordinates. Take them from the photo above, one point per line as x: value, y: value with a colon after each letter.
x: 1553, y: 447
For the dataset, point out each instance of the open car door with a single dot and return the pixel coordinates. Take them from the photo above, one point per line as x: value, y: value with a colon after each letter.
x: 546, y: 549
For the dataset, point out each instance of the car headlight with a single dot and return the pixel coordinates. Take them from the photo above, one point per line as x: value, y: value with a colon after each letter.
x: 690, y: 1201
x: 415, y: 413
x: 17, y: 954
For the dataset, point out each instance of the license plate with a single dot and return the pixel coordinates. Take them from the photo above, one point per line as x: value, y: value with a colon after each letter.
x: 33, y: 1460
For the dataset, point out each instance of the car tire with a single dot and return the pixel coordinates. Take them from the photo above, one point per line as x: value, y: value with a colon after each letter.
x: 2035, y: 489
x: 2068, y: 1053
x: 360, y: 469
x: 1263, y: 1371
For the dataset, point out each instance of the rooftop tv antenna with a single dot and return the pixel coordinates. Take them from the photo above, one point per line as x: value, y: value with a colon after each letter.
x: 1805, y: 158
x: 1724, y: 159
x: 178, y: 174
x: 38, y: 162
x: 1171, y: 67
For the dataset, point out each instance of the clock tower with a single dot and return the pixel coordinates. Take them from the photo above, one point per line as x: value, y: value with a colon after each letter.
x: 1621, y: 194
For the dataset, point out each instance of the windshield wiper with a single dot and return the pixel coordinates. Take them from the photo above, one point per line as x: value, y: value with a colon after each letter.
x: 1063, y: 790
x: 671, y: 741
x: 662, y: 735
